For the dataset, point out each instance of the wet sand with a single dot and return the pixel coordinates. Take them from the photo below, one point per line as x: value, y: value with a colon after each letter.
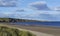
x: 43, y: 29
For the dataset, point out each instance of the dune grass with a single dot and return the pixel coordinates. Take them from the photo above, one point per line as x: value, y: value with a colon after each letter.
x: 6, y: 31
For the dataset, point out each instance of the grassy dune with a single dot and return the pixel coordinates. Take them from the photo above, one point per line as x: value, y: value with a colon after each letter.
x: 6, y: 31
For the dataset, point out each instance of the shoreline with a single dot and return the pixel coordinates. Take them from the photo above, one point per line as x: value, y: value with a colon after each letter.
x: 31, y: 25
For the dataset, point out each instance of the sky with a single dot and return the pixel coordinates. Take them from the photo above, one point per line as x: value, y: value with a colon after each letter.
x: 46, y: 10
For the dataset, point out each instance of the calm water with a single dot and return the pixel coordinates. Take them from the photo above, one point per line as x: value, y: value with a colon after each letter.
x: 39, y: 23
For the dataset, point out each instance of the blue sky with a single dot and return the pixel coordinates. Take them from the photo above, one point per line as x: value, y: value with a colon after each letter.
x: 31, y: 9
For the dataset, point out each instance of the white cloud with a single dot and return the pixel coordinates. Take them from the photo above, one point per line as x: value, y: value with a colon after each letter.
x: 56, y: 8
x: 38, y: 2
x: 40, y: 5
x: 8, y: 3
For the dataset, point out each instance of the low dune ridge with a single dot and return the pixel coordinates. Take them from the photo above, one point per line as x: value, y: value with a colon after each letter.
x: 9, y: 31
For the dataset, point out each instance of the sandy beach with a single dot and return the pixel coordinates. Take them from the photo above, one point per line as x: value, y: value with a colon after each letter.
x: 39, y: 30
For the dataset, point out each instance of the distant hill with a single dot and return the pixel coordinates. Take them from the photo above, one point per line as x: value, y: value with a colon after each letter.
x: 16, y: 20
x: 20, y: 20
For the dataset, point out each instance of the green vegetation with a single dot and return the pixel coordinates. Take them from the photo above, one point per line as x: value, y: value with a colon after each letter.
x: 4, y: 20
x: 8, y: 20
x: 6, y: 31
x: 15, y: 20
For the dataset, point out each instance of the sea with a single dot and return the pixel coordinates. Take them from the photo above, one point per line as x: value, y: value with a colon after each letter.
x: 56, y: 24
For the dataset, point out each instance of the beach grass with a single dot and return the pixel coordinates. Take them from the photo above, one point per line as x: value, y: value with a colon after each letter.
x: 7, y: 31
